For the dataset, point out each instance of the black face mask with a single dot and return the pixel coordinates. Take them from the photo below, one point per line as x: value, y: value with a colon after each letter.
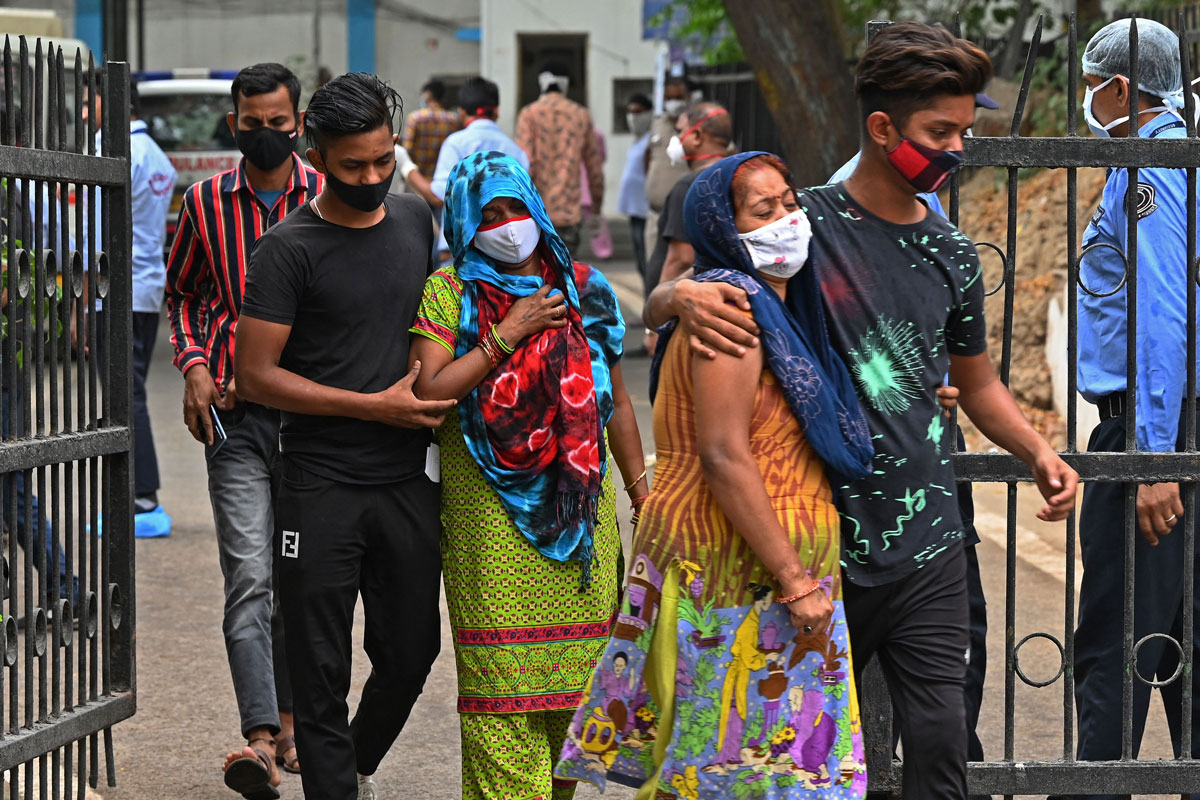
x: 363, y: 197
x: 266, y: 148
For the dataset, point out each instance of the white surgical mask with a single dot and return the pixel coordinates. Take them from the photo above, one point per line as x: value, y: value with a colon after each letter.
x: 675, y: 152
x: 639, y: 122
x: 510, y: 242
x: 674, y: 107
x: 780, y: 248
x: 1102, y: 131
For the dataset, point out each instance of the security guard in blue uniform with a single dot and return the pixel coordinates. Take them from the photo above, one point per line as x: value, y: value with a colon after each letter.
x: 1159, y: 201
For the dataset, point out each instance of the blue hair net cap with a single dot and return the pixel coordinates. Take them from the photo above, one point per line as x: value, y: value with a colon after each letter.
x: 1107, y: 54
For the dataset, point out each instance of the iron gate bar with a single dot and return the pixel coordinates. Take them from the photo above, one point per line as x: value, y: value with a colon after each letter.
x: 1061, y: 152
x: 65, y: 729
x: 27, y: 163
x: 1097, y: 466
x: 70, y: 434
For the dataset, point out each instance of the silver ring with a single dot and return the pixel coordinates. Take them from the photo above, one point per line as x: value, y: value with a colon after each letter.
x: 808, y: 628
x: 1171, y: 518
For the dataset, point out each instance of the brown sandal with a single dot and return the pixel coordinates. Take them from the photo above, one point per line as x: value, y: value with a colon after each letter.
x: 251, y: 777
x: 282, y: 745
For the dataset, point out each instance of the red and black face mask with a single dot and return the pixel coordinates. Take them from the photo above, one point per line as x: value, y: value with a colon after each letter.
x: 926, y: 168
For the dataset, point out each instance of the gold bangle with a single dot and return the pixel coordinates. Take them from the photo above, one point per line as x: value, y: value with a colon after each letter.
x: 636, y: 481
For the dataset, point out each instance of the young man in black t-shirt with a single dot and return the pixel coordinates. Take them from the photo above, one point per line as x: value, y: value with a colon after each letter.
x: 330, y: 295
x: 905, y: 306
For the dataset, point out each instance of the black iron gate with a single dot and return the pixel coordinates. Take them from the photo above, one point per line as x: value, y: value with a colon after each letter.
x: 65, y: 463
x: 1011, y: 774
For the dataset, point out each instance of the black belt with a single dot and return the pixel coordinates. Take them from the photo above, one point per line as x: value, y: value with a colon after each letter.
x: 1111, y: 405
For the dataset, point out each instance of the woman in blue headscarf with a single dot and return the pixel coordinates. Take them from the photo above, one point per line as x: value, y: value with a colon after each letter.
x: 529, y: 342
x: 732, y: 639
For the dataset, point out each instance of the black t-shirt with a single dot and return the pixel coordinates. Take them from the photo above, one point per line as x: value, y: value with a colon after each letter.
x: 670, y: 226
x: 900, y: 300
x: 350, y: 296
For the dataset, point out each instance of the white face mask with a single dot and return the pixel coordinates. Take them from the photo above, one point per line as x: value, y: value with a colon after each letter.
x: 780, y: 248
x: 1102, y: 131
x: 675, y: 151
x: 510, y: 242
x: 674, y: 107
x: 639, y: 122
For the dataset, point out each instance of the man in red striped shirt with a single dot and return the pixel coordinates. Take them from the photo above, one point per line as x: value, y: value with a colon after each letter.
x: 221, y: 220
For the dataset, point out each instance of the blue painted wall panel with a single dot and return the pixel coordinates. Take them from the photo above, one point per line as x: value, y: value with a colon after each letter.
x: 360, y: 35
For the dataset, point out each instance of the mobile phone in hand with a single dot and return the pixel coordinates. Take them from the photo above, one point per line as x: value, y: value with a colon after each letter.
x: 219, y: 436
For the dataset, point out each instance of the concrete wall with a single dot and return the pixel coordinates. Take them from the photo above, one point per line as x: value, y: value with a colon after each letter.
x: 229, y: 34
x: 615, y: 50
x: 1087, y: 417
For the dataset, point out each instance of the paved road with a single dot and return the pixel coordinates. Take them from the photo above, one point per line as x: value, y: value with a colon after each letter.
x: 187, y: 717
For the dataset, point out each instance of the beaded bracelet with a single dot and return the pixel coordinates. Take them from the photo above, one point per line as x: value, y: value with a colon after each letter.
x: 791, y: 598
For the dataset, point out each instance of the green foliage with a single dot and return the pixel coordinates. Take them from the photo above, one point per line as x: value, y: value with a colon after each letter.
x: 754, y: 727
x: 697, y: 729
x: 645, y: 639
x: 751, y: 783
x: 845, y: 740
x: 786, y: 781
x: 22, y: 314
x: 704, y: 21
x: 705, y: 672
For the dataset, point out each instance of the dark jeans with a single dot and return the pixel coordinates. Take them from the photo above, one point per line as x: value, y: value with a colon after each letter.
x: 1157, y: 608
x: 637, y: 229
x: 337, y: 541
x: 145, y: 333
x: 918, y: 628
x: 243, y: 485
x: 145, y: 461
x: 15, y: 520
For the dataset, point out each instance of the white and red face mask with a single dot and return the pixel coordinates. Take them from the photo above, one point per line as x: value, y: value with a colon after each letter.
x: 510, y: 241
x: 779, y: 249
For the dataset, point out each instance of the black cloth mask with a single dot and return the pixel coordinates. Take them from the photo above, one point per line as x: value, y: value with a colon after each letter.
x: 363, y: 197
x: 266, y: 148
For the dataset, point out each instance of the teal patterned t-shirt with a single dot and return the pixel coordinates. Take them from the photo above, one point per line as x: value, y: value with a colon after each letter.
x: 900, y: 300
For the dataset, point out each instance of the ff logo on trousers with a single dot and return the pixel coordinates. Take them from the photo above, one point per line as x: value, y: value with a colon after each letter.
x: 291, y: 544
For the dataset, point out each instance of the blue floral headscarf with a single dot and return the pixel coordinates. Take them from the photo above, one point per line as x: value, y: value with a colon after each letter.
x: 814, y: 379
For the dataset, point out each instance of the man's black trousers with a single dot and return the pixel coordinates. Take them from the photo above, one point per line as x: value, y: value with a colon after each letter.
x: 918, y: 628
x: 336, y: 541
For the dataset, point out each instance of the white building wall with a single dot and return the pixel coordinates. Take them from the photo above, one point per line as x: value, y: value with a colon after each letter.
x: 615, y: 50
x: 406, y: 52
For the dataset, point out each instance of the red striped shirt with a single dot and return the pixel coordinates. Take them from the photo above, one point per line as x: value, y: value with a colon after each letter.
x: 219, y: 223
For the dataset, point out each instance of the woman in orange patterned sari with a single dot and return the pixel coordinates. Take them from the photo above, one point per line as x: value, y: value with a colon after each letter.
x: 729, y: 670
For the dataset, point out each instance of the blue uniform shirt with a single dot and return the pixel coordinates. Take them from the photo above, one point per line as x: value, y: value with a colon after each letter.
x: 152, y: 182
x: 1162, y: 294
x: 930, y: 198
x: 480, y: 136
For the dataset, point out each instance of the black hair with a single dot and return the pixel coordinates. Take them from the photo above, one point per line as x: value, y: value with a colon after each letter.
x: 760, y: 591
x: 356, y: 102
x: 621, y: 654
x: 719, y: 126
x: 908, y: 64
x: 436, y: 89
x: 479, y: 97
x: 264, y: 78
x: 637, y: 98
